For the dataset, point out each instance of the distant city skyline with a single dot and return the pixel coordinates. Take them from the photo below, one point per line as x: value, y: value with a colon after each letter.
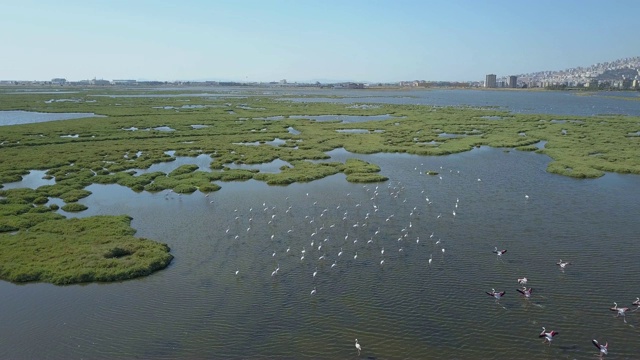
x: 308, y: 41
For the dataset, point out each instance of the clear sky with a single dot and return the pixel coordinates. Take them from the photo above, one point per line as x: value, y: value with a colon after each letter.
x: 309, y: 40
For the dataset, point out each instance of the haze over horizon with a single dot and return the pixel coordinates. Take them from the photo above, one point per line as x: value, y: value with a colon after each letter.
x: 301, y: 41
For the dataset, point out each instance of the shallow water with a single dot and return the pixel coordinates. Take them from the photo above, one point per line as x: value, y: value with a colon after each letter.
x: 530, y: 102
x: 28, y: 117
x: 33, y: 180
x: 344, y: 118
x: 199, y: 308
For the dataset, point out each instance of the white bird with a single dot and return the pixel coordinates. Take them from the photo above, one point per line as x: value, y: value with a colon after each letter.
x: 237, y: 271
x: 443, y: 250
x: 355, y: 256
x: 315, y: 272
x: 358, y: 347
x: 334, y: 264
x: 382, y: 262
x: 621, y: 311
x: 548, y: 336
x: 430, y: 259
x: 498, y: 252
x: 313, y: 292
x: 382, y: 251
x: 523, y: 281
x: 496, y: 294
x: 637, y: 302
x: 563, y: 264
x: 604, y: 349
x: 340, y: 253
x: 526, y: 292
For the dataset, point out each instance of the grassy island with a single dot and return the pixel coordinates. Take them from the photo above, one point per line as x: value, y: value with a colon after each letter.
x: 60, y: 251
x: 39, y: 244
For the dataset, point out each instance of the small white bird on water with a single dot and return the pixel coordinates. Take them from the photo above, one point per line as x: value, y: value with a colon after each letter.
x: 313, y: 292
x: 358, y: 347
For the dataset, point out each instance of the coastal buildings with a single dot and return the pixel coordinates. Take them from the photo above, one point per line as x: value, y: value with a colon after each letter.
x: 490, y: 81
x: 123, y: 82
x: 513, y: 82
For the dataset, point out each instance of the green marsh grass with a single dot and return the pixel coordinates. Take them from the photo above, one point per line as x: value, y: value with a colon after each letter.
x: 100, y: 248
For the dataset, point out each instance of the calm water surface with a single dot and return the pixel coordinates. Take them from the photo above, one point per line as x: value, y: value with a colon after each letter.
x: 531, y: 102
x: 27, y: 117
x: 405, y: 308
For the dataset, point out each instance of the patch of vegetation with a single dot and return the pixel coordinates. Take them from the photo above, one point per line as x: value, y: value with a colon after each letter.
x: 100, y: 248
x: 74, y: 207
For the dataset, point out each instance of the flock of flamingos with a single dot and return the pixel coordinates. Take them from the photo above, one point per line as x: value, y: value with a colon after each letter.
x: 325, y: 226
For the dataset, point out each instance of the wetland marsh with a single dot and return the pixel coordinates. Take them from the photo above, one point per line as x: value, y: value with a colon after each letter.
x: 245, y: 255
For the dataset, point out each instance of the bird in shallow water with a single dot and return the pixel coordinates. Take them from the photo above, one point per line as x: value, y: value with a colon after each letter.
x: 548, y: 336
x: 637, y: 302
x: 563, y: 264
x: 526, y: 292
x: 523, y: 281
x: 621, y: 311
x: 604, y: 348
x: 498, y: 252
x: 496, y: 294
x: 358, y: 347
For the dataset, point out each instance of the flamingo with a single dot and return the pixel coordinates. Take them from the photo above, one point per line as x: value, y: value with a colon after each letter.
x: 637, y: 302
x: 523, y: 281
x: 358, y: 347
x: 621, y: 311
x: 526, y: 292
x: 604, y: 349
x: 498, y: 252
x: 496, y: 294
x: 340, y: 253
x: 563, y: 264
x: 548, y: 336
x: 313, y: 292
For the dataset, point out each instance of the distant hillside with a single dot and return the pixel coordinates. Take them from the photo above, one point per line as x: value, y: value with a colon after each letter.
x: 617, y: 74
x: 627, y: 68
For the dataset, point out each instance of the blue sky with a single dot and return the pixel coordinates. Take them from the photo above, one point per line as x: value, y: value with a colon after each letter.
x: 308, y: 40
